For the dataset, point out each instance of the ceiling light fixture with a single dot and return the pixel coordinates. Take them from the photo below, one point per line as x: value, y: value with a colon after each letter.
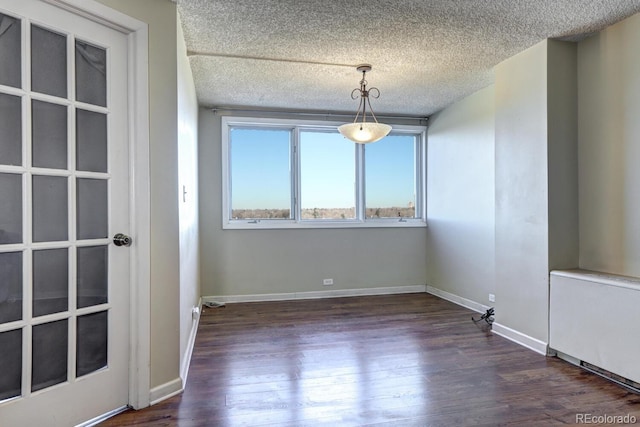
x: 364, y: 132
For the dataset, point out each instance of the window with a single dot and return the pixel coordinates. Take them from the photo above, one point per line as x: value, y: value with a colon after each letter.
x: 390, y: 177
x: 327, y: 176
x: 304, y: 174
x: 260, y: 162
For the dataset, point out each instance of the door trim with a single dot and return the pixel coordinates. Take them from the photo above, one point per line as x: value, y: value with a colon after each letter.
x: 139, y: 194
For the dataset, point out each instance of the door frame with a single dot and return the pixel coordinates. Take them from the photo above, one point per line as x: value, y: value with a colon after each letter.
x: 139, y: 186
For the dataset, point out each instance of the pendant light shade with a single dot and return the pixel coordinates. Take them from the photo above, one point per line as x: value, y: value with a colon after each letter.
x: 361, y: 131
x: 364, y: 133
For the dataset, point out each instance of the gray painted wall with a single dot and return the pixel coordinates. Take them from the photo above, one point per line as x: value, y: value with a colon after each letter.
x: 521, y: 192
x: 536, y: 177
x: 562, y: 149
x: 609, y: 149
x: 461, y: 206
x: 566, y: 181
x: 188, y: 203
x: 249, y: 262
x: 165, y: 257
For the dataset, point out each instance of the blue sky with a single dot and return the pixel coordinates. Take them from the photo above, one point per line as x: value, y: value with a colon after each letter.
x: 327, y: 171
x: 260, y: 170
x: 390, y: 171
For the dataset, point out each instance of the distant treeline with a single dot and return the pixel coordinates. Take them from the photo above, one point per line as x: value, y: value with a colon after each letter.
x: 324, y: 213
x: 260, y: 213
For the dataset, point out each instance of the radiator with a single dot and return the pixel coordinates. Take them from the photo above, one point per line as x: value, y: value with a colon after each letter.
x: 595, y: 318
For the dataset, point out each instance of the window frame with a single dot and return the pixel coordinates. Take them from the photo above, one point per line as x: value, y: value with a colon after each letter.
x: 296, y: 126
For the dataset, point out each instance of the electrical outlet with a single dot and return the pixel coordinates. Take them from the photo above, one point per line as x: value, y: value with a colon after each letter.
x: 327, y: 282
x: 492, y: 298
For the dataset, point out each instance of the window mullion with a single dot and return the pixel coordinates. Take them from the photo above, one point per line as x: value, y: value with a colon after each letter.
x: 360, y: 182
x: 417, y: 164
x: 226, y: 172
x: 421, y: 172
x: 295, y: 175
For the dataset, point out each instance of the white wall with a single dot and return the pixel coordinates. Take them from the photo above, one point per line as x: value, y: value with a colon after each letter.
x: 567, y: 187
x: 188, y: 202
x: 562, y: 150
x: 522, y: 246
x: 165, y: 256
x: 248, y: 262
x: 536, y: 177
x: 609, y: 149
x: 461, y: 207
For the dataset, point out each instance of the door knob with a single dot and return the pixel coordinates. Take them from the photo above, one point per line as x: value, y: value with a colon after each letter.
x: 122, y: 240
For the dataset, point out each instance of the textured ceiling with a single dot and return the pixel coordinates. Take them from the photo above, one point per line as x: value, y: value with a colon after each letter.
x: 426, y: 54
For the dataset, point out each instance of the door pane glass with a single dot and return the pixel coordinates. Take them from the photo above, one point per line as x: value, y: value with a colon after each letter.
x: 92, y: 208
x: 390, y: 177
x: 10, y: 129
x: 49, y: 135
x: 10, y: 51
x: 327, y: 176
x: 92, y: 275
x: 91, y: 76
x: 91, y: 137
x: 260, y: 162
x: 49, y: 354
x: 50, y: 281
x: 48, y: 62
x: 10, y: 287
x: 11, y: 362
x: 10, y: 208
x: 50, y: 208
x: 91, y: 343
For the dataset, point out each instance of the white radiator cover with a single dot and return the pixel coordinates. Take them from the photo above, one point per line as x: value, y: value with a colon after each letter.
x: 595, y: 317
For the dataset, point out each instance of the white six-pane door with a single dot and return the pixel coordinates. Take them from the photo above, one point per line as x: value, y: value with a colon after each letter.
x: 85, y: 188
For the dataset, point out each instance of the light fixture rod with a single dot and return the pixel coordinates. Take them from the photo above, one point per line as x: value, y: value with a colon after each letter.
x: 360, y: 131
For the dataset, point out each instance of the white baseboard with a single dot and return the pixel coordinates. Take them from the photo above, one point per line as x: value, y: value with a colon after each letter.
x: 186, y: 360
x: 165, y: 391
x: 97, y: 420
x: 317, y: 294
x: 466, y: 303
x: 174, y: 387
x: 531, y: 343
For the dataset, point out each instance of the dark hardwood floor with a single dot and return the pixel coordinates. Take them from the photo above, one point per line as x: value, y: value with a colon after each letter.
x: 400, y: 360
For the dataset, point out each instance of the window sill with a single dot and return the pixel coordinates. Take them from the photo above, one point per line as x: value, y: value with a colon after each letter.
x: 267, y: 224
